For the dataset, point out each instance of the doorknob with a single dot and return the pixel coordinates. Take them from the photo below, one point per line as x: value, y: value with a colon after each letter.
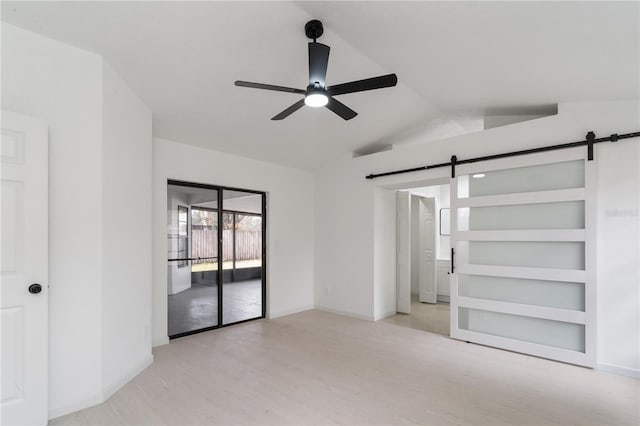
x: 35, y: 288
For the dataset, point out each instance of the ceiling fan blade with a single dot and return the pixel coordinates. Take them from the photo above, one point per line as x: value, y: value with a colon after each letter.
x: 388, y: 80
x: 268, y: 87
x: 318, y: 61
x: 287, y: 112
x: 341, y: 109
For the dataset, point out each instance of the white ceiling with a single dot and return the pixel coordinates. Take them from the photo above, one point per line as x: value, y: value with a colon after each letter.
x: 452, y: 59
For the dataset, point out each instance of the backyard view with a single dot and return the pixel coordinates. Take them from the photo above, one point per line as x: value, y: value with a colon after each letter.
x: 243, y: 229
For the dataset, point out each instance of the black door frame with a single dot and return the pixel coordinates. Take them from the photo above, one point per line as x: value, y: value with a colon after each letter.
x: 219, y: 190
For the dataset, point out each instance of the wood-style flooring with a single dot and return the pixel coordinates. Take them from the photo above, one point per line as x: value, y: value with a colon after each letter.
x: 434, y: 318
x: 317, y: 368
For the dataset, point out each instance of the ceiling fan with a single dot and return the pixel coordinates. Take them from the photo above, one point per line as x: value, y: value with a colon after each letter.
x: 318, y: 94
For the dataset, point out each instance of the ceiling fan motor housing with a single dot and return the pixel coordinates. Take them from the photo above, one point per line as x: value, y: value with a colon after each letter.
x: 314, y: 29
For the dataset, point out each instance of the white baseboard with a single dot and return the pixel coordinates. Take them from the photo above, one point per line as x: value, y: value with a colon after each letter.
x: 443, y: 298
x: 343, y: 313
x: 160, y: 342
x: 102, y: 397
x: 54, y: 413
x: 620, y: 371
x: 112, y: 388
x: 382, y: 316
x: 290, y: 311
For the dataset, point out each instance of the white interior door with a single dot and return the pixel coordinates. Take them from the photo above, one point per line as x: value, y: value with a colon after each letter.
x: 23, y: 309
x: 403, y: 252
x: 427, y: 250
x: 523, y: 233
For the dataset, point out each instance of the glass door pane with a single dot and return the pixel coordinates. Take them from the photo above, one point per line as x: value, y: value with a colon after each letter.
x: 534, y: 178
x: 557, y: 334
x: 563, y: 215
x: 192, y: 283
x: 242, y: 237
x: 529, y: 254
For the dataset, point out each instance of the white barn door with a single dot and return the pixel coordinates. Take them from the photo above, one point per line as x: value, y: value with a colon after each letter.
x: 523, y: 231
x: 24, y: 292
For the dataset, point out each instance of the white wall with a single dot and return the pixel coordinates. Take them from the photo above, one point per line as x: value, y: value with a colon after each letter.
x: 63, y: 85
x: 126, y: 222
x: 290, y: 218
x: 343, y: 193
x: 619, y: 255
x: 384, y: 288
x: 96, y: 285
x: 344, y: 239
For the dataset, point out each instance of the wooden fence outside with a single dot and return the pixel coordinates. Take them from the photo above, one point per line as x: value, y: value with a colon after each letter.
x: 204, y: 244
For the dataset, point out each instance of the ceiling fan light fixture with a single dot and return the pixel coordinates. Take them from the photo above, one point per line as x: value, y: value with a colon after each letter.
x: 316, y: 100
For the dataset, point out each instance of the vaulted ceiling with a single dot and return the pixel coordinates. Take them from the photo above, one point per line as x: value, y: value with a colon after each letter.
x: 453, y: 60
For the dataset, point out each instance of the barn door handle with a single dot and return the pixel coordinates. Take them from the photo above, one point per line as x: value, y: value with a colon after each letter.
x: 453, y: 254
x: 35, y: 288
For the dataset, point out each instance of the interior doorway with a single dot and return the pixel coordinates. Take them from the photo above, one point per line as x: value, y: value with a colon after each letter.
x: 423, y: 251
x: 216, y: 257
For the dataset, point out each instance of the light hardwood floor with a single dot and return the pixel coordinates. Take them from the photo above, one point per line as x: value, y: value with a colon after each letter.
x: 317, y: 368
x: 424, y: 316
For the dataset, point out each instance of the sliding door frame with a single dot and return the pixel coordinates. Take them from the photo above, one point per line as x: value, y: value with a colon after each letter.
x: 220, y: 190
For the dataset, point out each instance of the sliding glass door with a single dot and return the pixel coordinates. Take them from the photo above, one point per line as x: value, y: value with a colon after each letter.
x: 215, y: 236
x: 523, y: 241
x: 242, y: 248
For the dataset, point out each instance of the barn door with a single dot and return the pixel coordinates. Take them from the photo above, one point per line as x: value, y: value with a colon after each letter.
x: 522, y: 230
